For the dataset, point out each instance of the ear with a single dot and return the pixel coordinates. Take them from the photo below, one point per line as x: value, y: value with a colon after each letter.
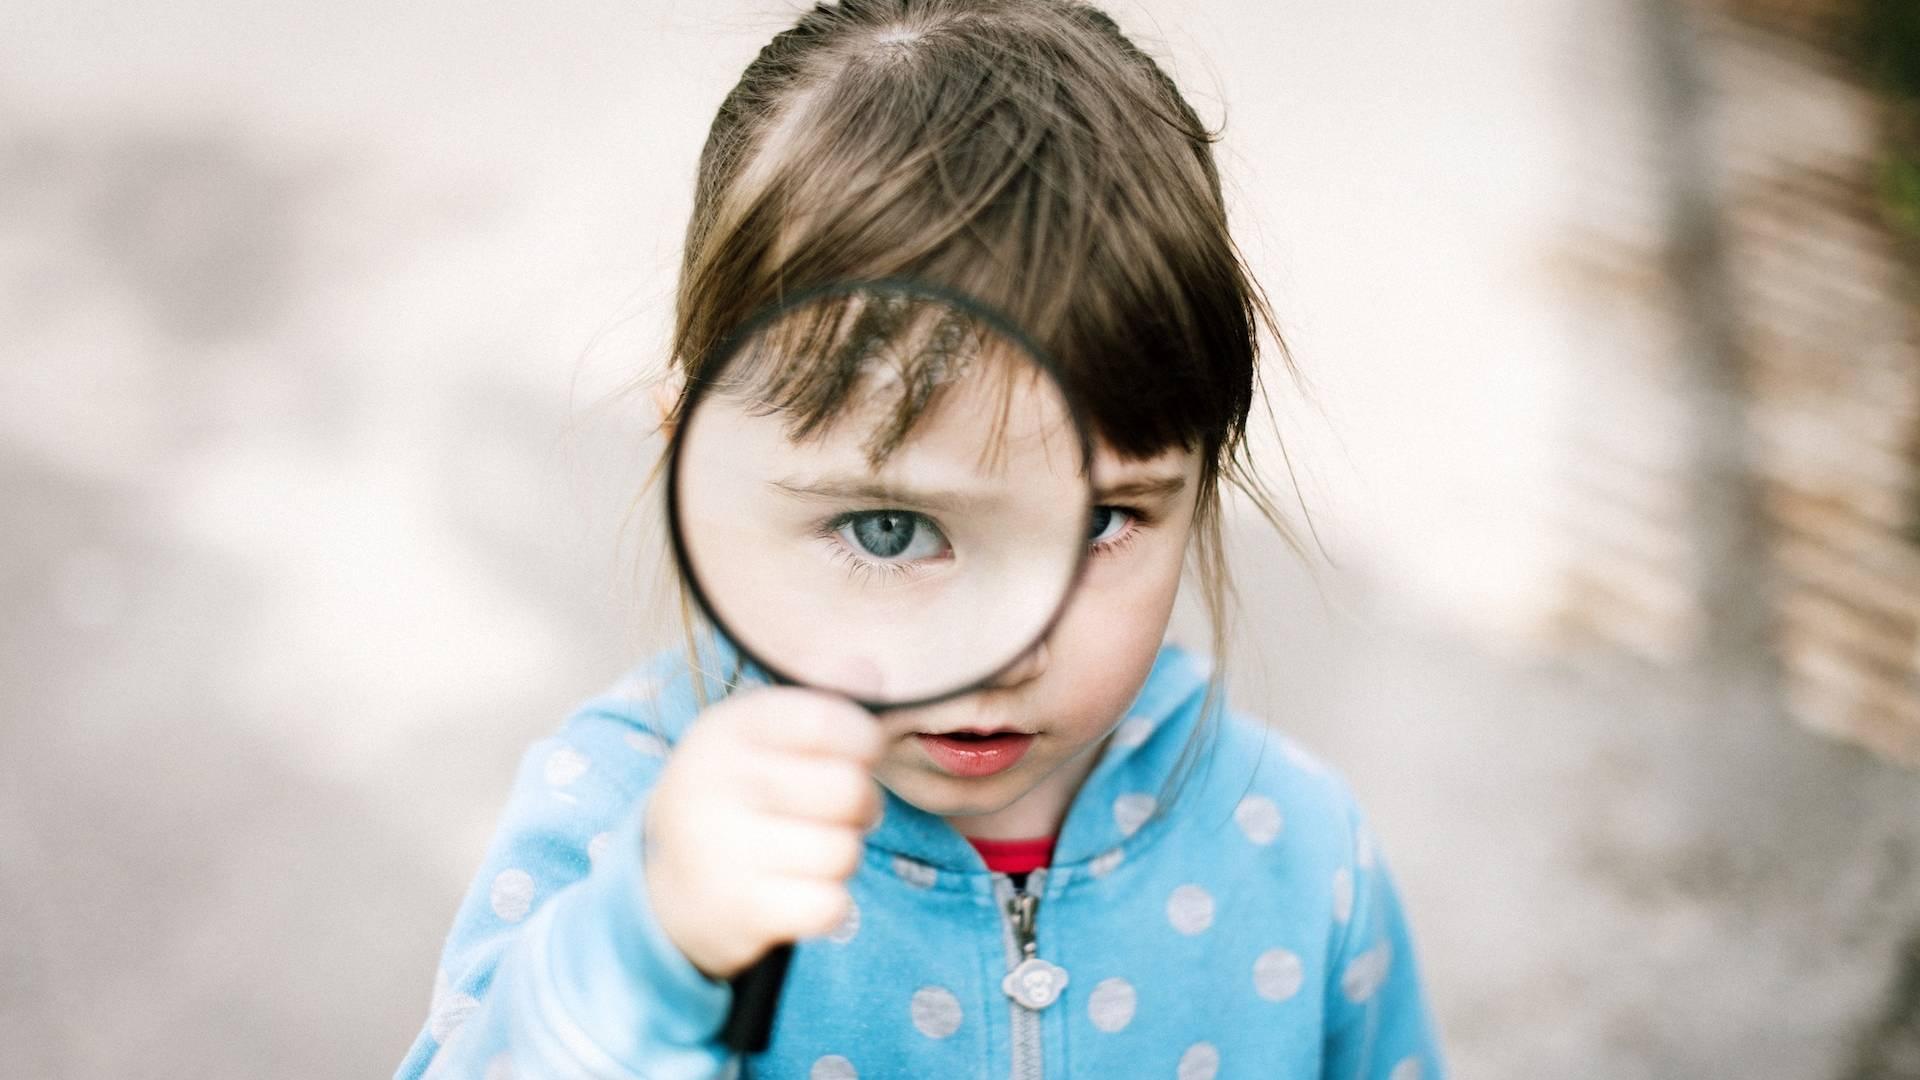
x: 666, y: 395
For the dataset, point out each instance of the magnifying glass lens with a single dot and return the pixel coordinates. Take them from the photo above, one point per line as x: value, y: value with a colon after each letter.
x: 881, y: 491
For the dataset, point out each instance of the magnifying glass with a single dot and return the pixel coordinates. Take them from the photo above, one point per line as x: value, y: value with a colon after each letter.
x: 879, y: 489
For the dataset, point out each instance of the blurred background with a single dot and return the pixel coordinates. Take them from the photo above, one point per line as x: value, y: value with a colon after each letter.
x: 320, y: 494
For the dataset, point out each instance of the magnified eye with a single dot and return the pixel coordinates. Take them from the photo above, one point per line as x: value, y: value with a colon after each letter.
x: 892, y: 535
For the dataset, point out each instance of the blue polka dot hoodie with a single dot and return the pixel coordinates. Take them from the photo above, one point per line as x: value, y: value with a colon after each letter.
x: 1249, y: 929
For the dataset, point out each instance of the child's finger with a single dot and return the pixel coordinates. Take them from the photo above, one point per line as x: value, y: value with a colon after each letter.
x: 792, y: 847
x: 817, y: 788
x: 805, y: 722
x: 803, y: 907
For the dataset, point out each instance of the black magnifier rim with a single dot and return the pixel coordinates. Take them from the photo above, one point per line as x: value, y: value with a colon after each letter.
x: 698, y: 387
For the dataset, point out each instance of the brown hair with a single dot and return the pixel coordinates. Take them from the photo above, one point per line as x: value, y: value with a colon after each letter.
x: 1024, y: 152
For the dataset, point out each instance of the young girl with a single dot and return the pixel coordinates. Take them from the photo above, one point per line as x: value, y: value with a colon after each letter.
x: 1180, y: 899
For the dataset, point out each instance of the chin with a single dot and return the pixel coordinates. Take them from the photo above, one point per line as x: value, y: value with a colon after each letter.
x: 954, y: 796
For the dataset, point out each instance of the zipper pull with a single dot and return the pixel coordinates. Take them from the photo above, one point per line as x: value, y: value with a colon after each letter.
x: 1033, y: 982
x: 1022, y: 906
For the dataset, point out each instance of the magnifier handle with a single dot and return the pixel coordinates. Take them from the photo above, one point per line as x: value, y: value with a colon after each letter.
x: 756, y: 992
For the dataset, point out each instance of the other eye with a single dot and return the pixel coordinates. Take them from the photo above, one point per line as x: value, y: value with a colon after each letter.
x: 1110, y: 524
x: 891, y: 535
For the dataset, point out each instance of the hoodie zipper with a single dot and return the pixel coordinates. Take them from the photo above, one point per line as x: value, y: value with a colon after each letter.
x: 1031, y: 983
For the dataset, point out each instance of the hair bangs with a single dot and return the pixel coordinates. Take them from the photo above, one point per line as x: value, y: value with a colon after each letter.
x: 888, y: 355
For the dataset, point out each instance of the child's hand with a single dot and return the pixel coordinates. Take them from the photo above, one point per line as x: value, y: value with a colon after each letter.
x: 757, y: 821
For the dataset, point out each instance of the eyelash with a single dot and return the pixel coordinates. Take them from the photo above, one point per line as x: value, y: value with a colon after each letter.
x: 1115, y: 545
x: 857, y: 566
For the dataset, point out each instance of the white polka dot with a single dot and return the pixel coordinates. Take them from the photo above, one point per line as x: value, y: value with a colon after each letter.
x: 936, y: 1012
x: 1132, y: 732
x: 1131, y: 810
x: 1200, y: 1062
x: 1342, y: 894
x: 1102, y: 864
x: 1277, y: 974
x: 448, y: 1014
x: 565, y: 765
x: 648, y: 743
x: 1259, y: 817
x: 1363, y: 853
x: 597, y: 847
x: 1407, y: 1068
x: 500, y: 1068
x: 832, y: 1067
x: 1200, y: 665
x: 914, y: 872
x: 1190, y: 909
x: 512, y: 895
x: 849, y: 926
x: 1111, y: 1004
x: 1366, y: 972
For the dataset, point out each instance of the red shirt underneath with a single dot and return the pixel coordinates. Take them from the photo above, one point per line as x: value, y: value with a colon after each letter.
x: 1014, y: 856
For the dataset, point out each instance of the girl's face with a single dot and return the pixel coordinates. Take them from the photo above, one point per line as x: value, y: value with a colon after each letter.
x: 1070, y: 690
x: 776, y: 575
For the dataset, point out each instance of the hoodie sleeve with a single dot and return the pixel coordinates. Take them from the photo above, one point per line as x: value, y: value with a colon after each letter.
x: 1379, y: 1025
x: 555, y: 965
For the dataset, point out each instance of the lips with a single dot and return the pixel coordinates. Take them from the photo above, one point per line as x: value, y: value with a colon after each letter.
x: 968, y: 752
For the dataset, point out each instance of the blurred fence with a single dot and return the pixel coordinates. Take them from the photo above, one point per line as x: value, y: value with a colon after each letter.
x: 1821, y: 291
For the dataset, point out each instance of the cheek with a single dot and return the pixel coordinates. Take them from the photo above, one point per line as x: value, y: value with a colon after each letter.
x: 1105, y: 643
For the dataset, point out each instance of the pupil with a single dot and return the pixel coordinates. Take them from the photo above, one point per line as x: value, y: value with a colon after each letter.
x: 884, y: 535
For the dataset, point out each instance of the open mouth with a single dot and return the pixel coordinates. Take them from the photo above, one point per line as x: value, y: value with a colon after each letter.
x: 975, y: 753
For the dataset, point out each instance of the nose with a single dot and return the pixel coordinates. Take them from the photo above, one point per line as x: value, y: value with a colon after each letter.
x: 1031, y: 665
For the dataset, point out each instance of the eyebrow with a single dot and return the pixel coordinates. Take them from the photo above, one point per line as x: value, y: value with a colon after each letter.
x: 838, y: 488
x: 1146, y: 487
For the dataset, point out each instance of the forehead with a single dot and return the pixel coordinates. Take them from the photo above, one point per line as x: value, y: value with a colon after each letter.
x: 890, y: 362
